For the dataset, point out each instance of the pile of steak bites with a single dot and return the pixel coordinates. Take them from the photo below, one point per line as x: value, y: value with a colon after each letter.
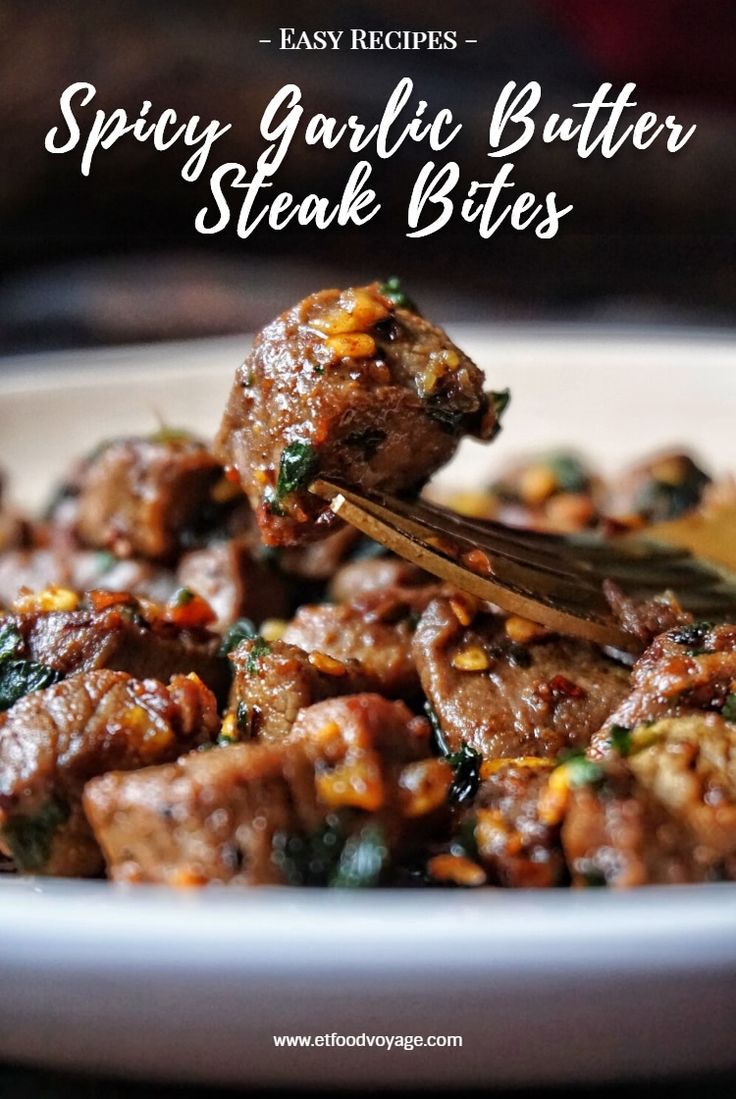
x: 206, y: 678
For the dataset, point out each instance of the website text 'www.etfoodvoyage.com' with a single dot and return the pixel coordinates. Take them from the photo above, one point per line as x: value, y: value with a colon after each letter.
x: 407, y: 1042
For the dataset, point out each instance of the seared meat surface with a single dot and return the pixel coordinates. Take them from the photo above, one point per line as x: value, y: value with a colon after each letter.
x: 273, y: 682
x: 233, y: 582
x: 113, y: 630
x: 376, y: 630
x: 146, y: 496
x: 54, y: 740
x: 331, y: 804
x: 82, y: 570
x: 505, y: 698
x: 691, y: 667
x: 348, y: 385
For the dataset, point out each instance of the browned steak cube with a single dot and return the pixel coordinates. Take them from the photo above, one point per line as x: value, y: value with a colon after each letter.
x: 82, y: 570
x: 616, y: 833
x: 348, y: 385
x: 515, y: 846
x: 376, y: 629
x: 273, y: 682
x: 144, y: 497
x: 379, y: 574
x: 53, y: 741
x: 109, y: 630
x: 234, y: 584
x: 506, y: 698
x: 210, y: 817
x: 333, y: 804
x: 686, y: 767
x: 690, y: 668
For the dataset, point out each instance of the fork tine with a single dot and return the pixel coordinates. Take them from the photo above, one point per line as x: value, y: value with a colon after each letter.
x: 580, y: 618
x: 556, y: 580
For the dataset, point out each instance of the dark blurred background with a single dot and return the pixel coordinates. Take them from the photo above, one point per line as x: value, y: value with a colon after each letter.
x: 115, y: 257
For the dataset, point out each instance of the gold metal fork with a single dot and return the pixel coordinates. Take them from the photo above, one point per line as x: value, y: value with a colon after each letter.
x: 554, y: 579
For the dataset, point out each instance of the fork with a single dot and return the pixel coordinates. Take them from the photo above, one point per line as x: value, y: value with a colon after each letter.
x: 553, y: 579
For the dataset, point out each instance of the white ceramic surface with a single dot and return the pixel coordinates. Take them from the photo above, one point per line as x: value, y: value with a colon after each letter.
x: 547, y: 987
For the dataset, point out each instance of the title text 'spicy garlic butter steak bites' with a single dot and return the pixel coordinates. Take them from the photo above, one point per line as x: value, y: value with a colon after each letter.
x: 330, y: 806
x: 71, y: 633
x: 273, y: 681
x: 54, y: 740
x: 508, y: 688
x: 146, y: 497
x: 348, y: 384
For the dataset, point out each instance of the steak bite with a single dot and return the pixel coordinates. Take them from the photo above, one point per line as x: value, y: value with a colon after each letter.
x: 508, y: 688
x: 274, y: 681
x: 53, y: 741
x: 336, y: 804
x: 234, y: 584
x: 146, y: 497
x: 73, y: 634
x: 82, y: 570
x: 688, y: 669
x: 616, y: 833
x: 376, y: 630
x: 515, y: 846
x: 346, y: 384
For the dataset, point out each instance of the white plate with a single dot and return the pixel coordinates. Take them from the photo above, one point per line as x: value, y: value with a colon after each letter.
x: 545, y: 987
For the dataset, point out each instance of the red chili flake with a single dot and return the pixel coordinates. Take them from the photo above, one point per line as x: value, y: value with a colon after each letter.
x: 102, y: 600
x: 191, y: 615
x: 232, y: 475
x: 478, y: 561
x: 560, y: 687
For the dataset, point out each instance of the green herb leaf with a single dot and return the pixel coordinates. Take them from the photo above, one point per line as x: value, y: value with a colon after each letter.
x: 310, y: 860
x: 296, y: 469
x: 242, y: 630
x: 692, y: 636
x: 620, y: 739
x: 30, y: 839
x: 439, y: 736
x: 394, y: 291
x: 729, y: 708
x: 11, y: 640
x: 182, y: 597
x: 569, y: 472
x: 362, y: 860
x: 21, y: 677
x: 500, y: 399
x: 449, y: 419
x: 582, y: 771
x: 166, y: 434
x: 466, y: 765
x: 259, y: 648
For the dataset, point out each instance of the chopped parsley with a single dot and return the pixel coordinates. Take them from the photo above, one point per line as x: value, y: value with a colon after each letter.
x: 466, y: 764
x: 394, y: 291
x: 729, y: 708
x: 182, y: 597
x: 242, y: 630
x: 18, y: 676
x: 693, y: 636
x: 259, y: 647
x: 313, y: 859
x: 297, y: 467
x: 569, y: 472
x: 30, y: 838
x: 500, y: 400
x: 11, y: 640
x: 21, y: 677
x: 362, y: 859
x: 620, y: 739
x: 439, y: 736
x: 581, y: 771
